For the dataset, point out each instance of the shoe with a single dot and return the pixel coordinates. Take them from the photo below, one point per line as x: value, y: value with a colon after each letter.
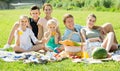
x: 6, y: 46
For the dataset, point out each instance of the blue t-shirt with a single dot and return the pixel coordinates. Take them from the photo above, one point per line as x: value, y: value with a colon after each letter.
x: 68, y: 34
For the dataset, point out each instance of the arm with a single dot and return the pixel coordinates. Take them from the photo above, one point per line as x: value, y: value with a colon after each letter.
x: 47, y: 36
x: 57, y: 38
x: 18, y: 38
x: 11, y: 36
x: 83, y: 34
x: 40, y: 31
x: 95, y: 39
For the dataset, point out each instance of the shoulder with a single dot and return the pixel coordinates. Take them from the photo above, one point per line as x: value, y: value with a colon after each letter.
x: 78, y: 26
x: 41, y: 21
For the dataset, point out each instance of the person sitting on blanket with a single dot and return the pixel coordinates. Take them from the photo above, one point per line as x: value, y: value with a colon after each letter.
x: 52, y: 37
x: 72, y: 31
x: 95, y: 37
x: 23, y: 36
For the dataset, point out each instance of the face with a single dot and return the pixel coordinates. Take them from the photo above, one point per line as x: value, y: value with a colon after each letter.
x: 24, y: 22
x: 52, y: 27
x: 35, y: 14
x: 48, y: 10
x: 91, y: 21
x: 69, y: 23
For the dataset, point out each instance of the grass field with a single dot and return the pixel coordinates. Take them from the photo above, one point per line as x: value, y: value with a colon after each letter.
x: 9, y: 17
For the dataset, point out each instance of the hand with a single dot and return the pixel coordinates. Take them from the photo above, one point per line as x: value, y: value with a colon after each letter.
x: 53, y: 33
x: 19, y: 32
x: 102, y: 31
x: 99, y: 39
x: 44, y: 40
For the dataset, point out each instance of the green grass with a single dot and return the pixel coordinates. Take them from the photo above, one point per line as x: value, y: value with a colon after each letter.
x: 9, y: 17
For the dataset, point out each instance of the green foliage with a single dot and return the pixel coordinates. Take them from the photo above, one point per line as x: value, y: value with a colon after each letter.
x: 99, y: 5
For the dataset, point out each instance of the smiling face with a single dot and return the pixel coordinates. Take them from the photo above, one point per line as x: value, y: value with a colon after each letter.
x: 23, y: 22
x: 35, y: 14
x: 91, y: 21
x: 52, y: 25
x: 47, y: 10
x: 69, y: 23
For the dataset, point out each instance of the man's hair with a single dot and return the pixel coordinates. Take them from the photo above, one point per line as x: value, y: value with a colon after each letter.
x: 67, y: 16
x: 34, y: 7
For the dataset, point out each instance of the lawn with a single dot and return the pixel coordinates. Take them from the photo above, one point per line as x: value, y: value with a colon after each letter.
x: 9, y: 17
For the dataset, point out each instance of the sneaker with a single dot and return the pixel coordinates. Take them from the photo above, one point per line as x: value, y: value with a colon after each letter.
x: 6, y: 46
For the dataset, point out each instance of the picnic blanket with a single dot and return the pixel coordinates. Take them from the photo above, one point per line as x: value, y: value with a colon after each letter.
x: 28, y: 57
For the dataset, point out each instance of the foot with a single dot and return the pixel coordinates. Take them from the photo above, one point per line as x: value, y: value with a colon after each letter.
x: 6, y: 46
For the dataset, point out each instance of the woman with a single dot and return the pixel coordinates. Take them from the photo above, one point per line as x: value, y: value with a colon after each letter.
x: 42, y: 23
x: 96, y: 38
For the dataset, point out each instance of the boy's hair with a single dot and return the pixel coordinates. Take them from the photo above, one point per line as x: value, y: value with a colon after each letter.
x: 47, y: 4
x: 67, y: 16
x: 34, y: 7
x: 52, y: 21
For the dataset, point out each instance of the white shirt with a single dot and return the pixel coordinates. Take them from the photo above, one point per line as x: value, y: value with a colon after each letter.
x: 25, y: 39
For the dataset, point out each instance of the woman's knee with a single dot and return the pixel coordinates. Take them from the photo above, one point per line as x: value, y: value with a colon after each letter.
x: 111, y: 34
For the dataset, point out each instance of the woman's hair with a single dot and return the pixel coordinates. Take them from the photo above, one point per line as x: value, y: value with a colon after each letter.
x: 34, y: 7
x: 47, y: 4
x: 92, y: 15
x: 67, y: 16
x: 52, y: 21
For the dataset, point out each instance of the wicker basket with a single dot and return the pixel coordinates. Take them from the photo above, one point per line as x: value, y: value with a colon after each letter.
x: 73, y: 48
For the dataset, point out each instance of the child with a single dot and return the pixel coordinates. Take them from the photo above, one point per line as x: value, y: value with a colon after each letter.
x: 35, y: 13
x: 51, y: 36
x: 23, y: 37
x: 47, y: 9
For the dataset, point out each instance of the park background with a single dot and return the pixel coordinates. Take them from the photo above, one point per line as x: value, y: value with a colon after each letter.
x: 105, y: 10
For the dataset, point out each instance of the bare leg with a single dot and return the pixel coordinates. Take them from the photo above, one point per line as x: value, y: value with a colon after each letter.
x: 108, y: 41
x: 18, y: 49
x: 37, y: 47
x: 109, y: 28
x: 34, y: 48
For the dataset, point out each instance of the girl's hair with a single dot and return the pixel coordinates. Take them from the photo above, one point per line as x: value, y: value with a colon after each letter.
x: 67, y: 16
x: 23, y: 16
x: 52, y: 21
x: 34, y: 7
x: 92, y: 15
x: 47, y: 4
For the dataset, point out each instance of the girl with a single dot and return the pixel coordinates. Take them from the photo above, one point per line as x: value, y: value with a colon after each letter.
x: 35, y: 13
x: 47, y: 9
x: 94, y: 36
x: 23, y: 37
x: 52, y: 36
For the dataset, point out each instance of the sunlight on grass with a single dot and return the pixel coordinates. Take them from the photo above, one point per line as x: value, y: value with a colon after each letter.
x: 9, y: 17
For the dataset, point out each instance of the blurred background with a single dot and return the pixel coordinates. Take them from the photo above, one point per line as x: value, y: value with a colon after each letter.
x: 97, y: 5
